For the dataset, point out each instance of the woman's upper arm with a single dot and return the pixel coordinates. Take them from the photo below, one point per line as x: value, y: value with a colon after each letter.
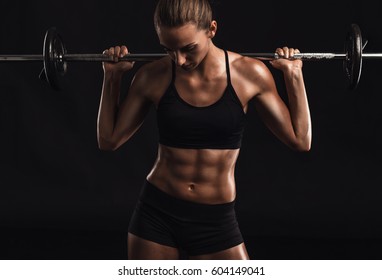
x: 133, y: 108
x: 271, y: 107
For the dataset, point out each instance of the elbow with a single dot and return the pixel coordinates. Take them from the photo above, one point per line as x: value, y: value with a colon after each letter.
x: 302, y: 145
x: 303, y: 148
x: 106, y: 148
x: 304, y: 142
x: 106, y: 145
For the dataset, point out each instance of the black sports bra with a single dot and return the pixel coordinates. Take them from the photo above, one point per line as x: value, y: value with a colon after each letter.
x: 217, y: 126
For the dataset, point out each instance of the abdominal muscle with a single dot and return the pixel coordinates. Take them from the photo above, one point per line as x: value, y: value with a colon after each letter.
x: 198, y: 175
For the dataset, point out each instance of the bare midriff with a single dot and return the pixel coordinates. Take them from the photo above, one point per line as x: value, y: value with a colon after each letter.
x: 198, y: 175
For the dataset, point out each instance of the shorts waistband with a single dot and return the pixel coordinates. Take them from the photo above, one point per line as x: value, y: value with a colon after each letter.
x: 153, y: 196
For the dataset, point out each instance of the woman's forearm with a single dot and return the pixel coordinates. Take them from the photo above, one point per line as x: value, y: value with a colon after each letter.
x: 108, y: 108
x: 298, y: 106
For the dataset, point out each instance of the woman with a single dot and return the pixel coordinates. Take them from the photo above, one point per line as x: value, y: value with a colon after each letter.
x: 201, y: 94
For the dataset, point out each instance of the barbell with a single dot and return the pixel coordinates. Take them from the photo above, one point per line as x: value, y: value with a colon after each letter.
x: 55, y: 57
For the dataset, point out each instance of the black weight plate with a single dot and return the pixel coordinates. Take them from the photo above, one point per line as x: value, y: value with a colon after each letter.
x: 353, y: 62
x: 53, y: 52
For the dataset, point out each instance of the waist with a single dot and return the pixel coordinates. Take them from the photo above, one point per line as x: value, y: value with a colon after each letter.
x: 151, y: 194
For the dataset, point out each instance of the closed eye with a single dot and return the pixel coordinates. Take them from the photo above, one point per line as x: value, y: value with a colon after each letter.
x: 188, y: 48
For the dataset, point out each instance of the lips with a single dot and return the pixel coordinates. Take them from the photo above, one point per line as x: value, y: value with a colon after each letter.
x: 187, y: 67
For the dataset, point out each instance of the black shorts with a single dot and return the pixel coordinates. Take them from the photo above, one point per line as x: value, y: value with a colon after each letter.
x: 195, y: 228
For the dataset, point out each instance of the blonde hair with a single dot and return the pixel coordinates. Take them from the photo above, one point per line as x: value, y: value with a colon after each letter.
x: 174, y: 13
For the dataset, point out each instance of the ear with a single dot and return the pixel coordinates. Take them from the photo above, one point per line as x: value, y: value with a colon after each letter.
x: 213, y: 29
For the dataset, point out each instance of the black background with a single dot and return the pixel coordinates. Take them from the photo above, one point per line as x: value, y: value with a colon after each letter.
x: 62, y: 198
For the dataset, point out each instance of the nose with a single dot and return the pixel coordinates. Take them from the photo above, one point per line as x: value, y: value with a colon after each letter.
x: 180, y: 58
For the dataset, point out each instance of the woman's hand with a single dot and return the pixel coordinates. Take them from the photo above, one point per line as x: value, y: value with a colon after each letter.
x: 117, y: 66
x: 286, y: 61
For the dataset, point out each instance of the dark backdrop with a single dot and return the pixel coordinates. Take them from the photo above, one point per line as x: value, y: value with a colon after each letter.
x: 62, y: 198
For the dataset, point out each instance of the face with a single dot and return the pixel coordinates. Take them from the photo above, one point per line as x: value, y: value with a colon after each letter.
x: 186, y: 45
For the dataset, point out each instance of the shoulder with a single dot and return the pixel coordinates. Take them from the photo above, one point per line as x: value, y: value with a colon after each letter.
x: 249, y: 74
x: 248, y: 67
x: 153, y: 77
x: 155, y: 68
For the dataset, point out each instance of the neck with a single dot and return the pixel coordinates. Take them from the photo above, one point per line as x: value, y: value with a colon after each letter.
x: 212, y: 62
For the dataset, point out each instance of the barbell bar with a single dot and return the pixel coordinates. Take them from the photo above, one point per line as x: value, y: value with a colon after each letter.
x: 55, y: 57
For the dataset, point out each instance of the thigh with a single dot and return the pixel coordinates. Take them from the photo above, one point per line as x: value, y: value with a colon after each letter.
x: 142, y: 249
x: 238, y: 252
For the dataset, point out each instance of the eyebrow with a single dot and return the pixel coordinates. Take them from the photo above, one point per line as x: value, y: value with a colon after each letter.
x: 184, y: 47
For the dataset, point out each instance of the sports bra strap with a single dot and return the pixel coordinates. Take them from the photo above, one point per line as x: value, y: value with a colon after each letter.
x: 227, y: 67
